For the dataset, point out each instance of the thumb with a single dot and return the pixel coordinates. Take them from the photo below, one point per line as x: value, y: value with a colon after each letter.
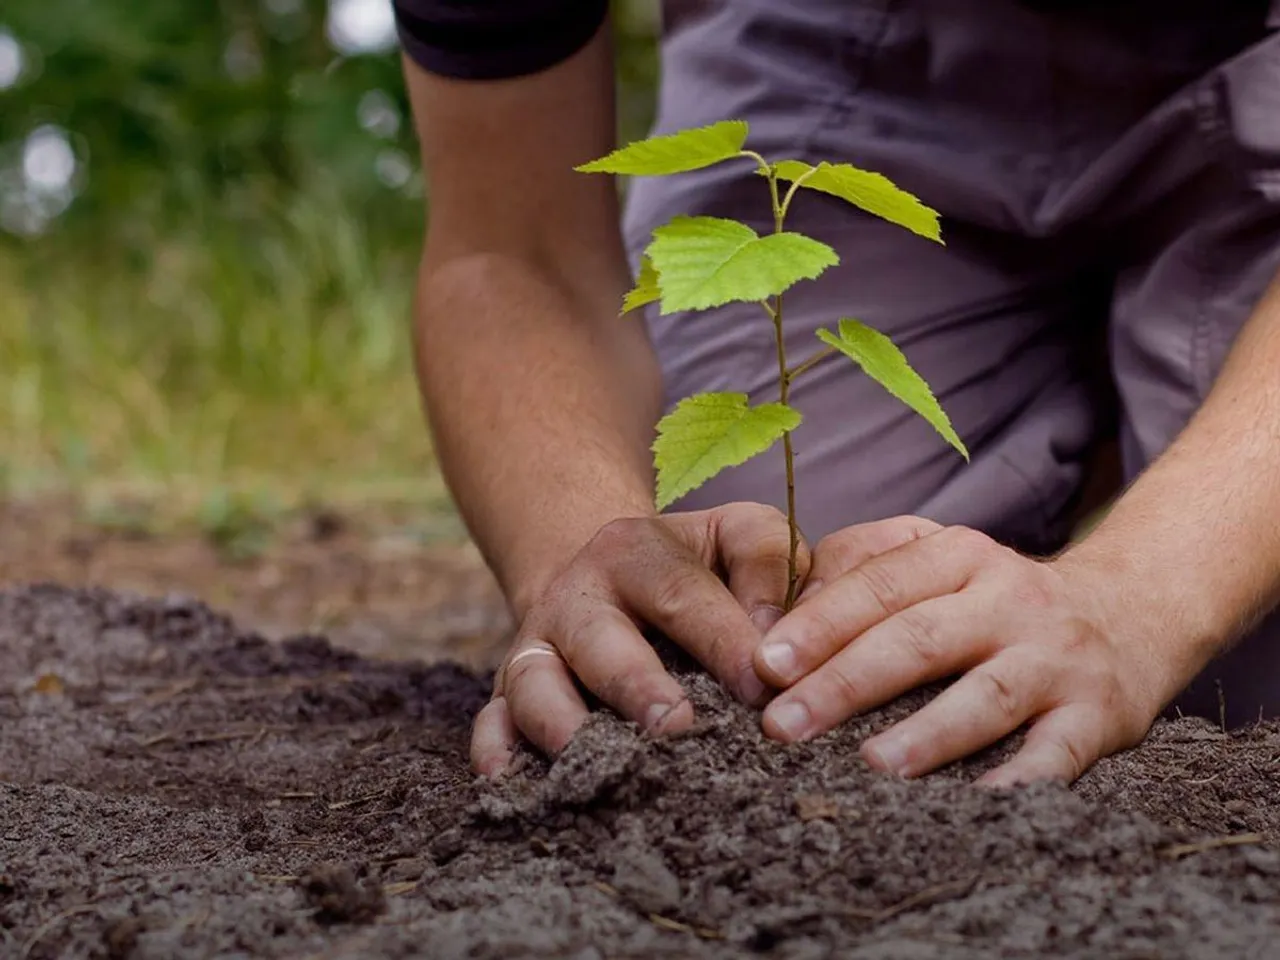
x: 753, y: 542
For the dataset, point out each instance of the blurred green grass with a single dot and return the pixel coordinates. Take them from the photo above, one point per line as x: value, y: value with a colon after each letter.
x: 222, y: 314
x: 269, y: 353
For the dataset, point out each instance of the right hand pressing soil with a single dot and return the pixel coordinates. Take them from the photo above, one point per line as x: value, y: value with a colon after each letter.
x: 712, y: 581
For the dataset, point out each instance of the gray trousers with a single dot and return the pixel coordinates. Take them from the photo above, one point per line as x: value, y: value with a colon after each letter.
x: 1109, y: 181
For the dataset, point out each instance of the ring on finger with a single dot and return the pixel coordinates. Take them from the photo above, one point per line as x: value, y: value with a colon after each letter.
x: 539, y: 649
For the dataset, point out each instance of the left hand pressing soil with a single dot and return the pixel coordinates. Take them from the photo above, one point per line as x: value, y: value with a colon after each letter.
x: 893, y: 605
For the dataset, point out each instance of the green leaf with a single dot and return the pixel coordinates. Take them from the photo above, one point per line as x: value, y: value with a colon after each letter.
x: 709, y: 432
x: 884, y: 363
x: 706, y: 261
x: 872, y: 192
x: 646, y: 289
x: 676, y: 152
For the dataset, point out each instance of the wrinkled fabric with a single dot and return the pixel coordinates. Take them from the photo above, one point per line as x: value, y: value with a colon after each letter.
x: 1109, y: 184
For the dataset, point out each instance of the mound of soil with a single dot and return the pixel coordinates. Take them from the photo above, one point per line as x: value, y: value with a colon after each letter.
x: 173, y: 786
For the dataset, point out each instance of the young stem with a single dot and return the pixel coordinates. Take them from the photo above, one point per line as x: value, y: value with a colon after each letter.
x: 784, y: 396
x: 784, y: 393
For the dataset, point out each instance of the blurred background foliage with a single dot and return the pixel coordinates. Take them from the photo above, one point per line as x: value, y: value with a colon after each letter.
x: 209, y: 220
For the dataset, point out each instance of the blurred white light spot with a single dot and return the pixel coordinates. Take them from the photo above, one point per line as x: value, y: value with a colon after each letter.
x: 48, y: 162
x: 361, y: 26
x: 377, y: 113
x: 11, y: 59
x: 393, y: 168
x: 242, y: 58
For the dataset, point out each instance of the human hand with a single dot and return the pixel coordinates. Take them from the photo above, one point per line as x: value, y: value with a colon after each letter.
x: 712, y: 581
x: 893, y: 605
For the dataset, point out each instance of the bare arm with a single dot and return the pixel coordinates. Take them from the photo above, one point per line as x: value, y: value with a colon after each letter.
x: 541, y: 400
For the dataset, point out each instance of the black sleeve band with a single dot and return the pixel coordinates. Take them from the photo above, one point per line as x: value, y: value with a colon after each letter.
x: 495, y: 39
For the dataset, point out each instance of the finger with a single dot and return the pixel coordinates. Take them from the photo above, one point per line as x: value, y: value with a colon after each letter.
x: 543, y: 703
x: 493, y: 738
x: 753, y: 542
x: 674, y: 591
x: 927, y: 642
x: 933, y: 566
x: 838, y: 553
x: 1060, y: 746
x: 606, y: 651
x: 989, y: 702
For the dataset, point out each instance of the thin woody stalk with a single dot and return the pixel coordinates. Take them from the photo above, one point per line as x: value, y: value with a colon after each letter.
x: 784, y: 395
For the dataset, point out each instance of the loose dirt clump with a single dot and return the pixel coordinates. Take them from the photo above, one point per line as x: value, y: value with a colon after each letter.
x: 173, y: 786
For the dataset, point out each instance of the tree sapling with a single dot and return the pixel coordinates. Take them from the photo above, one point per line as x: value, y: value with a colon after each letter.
x: 696, y: 263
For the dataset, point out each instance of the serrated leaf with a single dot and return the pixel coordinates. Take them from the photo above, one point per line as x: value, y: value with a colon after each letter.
x: 883, y: 362
x: 690, y: 149
x: 646, y: 288
x: 707, y: 261
x: 710, y: 432
x: 872, y: 192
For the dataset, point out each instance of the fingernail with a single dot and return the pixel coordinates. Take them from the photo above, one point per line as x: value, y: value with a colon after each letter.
x: 792, y: 718
x: 781, y: 659
x: 889, y: 754
x: 657, y: 715
x: 810, y: 588
x: 765, y: 617
x: 751, y: 689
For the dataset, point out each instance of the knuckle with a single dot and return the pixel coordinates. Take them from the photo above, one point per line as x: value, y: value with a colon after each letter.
x: 1073, y: 758
x: 881, y: 587
x: 914, y: 528
x: 617, y: 534
x: 746, y: 511
x: 1002, y: 695
x: 846, y: 689
x: 618, y: 687
x: 921, y: 636
x: 675, y: 593
x: 1031, y: 588
x: 581, y: 632
x: 969, y: 541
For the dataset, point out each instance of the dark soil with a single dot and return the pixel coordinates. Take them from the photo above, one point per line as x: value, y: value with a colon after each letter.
x: 171, y: 786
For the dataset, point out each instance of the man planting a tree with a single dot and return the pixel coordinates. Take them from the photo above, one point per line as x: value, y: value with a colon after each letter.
x: 1105, y: 174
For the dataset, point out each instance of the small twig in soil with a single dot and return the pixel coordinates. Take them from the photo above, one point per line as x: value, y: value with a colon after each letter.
x: 1201, y: 783
x: 205, y: 738
x: 1181, y: 850
x: 606, y: 889
x: 675, y: 926
x: 177, y: 690
x: 356, y: 801
x: 396, y: 889
x: 44, y: 928
x: 925, y: 898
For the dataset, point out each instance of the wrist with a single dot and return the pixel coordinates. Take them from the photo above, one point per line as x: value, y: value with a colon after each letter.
x: 1159, y: 627
x: 534, y: 565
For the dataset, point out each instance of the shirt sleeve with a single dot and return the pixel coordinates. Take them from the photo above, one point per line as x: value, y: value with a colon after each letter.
x: 495, y: 39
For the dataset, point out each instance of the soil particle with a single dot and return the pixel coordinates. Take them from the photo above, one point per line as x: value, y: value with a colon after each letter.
x: 188, y: 789
x: 341, y: 893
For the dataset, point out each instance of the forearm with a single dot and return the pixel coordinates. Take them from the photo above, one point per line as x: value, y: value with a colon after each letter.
x: 542, y: 408
x: 1194, y: 545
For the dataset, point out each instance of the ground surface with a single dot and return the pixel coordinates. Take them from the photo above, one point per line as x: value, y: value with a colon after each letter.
x: 172, y: 785
x: 385, y: 582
